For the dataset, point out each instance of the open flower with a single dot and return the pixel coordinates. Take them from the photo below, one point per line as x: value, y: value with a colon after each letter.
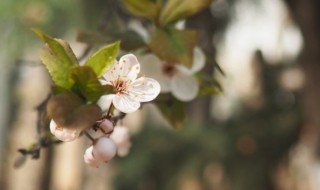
x: 175, y: 78
x: 63, y: 134
x: 129, y: 89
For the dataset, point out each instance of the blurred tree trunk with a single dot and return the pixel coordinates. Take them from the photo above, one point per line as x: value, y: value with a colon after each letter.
x: 204, y: 24
x: 306, y: 14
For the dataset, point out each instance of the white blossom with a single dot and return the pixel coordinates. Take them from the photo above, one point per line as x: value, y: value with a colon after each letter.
x: 129, y: 89
x: 63, y: 134
x: 105, y: 101
x: 176, y: 78
x: 121, y: 137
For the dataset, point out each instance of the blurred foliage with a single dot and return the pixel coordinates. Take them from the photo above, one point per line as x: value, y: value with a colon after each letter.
x: 248, y: 146
x: 17, y: 17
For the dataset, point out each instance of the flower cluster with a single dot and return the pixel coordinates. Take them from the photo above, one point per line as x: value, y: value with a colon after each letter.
x: 130, y: 89
x: 176, y: 78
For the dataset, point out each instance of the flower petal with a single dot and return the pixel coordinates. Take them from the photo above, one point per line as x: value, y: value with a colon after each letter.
x: 198, y: 63
x: 128, y: 67
x: 144, y: 89
x: 184, y: 87
x: 151, y: 65
x: 125, y: 103
x: 199, y: 60
x: 63, y: 134
x: 110, y: 75
x: 105, y: 101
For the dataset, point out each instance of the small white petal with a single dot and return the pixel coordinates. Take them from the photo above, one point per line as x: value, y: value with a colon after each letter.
x: 164, y: 81
x: 110, y: 74
x: 151, y: 65
x: 125, y: 103
x: 104, y: 149
x: 103, y: 81
x: 105, y: 101
x: 199, y: 60
x: 184, y: 87
x: 180, y: 25
x: 128, y: 67
x: 144, y: 89
x: 198, y: 63
x: 63, y: 134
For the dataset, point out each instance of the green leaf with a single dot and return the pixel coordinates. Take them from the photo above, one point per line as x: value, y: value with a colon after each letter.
x: 70, y: 111
x: 175, y: 10
x: 58, y: 58
x: 85, y: 82
x: 103, y: 58
x: 173, y: 45
x: 107, y: 89
x: 173, y: 110
x: 144, y: 8
x: 130, y: 40
x: 209, y: 86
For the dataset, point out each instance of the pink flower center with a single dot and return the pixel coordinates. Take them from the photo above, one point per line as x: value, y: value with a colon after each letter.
x: 120, y: 86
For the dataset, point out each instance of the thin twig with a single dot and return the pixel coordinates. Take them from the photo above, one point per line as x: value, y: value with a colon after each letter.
x: 89, y: 136
x: 109, y: 111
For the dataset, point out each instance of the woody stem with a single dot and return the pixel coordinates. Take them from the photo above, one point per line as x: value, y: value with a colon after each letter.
x: 89, y: 136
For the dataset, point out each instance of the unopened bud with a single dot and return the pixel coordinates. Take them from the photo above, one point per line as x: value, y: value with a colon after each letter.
x: 104, y: 149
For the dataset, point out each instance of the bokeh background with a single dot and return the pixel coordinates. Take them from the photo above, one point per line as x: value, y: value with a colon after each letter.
x: 261, y: 133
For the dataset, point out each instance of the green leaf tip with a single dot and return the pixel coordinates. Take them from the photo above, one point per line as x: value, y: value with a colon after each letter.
x: 101, y: 60
x: 58, y: 58
x: 40, y: 34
